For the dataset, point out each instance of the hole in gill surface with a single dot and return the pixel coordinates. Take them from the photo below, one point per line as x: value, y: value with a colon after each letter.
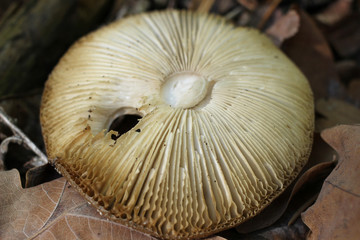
x: 123, y: 216
x: 123, y: 124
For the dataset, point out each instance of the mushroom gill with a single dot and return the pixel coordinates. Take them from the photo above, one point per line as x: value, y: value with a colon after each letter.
x: 227, y: 122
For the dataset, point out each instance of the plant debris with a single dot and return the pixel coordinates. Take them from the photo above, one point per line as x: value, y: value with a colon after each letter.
x: 336, y: 213
x: 321, y: 37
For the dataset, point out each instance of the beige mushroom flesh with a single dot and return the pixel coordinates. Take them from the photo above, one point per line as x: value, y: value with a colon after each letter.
x: 227, y: 122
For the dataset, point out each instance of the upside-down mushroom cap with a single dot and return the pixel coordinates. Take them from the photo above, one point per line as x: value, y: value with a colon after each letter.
x: 227, y: 122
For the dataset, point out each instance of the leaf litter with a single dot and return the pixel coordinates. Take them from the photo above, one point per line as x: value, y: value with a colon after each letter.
x: 336, y: 212
x: 313, y: 40
x: 52, y: 210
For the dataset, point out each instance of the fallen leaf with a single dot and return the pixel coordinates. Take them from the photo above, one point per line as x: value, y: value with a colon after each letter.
x: 345, y: 35
x: 25, y: 212
x: 348, y: 70
x: 53, y: 210
x: 312, y: 54
x: 334, y: 112
x: 41, y: 174
x: 335, y: 12
x: 284, y: 26
x: 336, y: 213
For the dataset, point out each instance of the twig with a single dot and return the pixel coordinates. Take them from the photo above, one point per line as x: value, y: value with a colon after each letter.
x: 5, y: 143
x: 234, y: 12
x: 203, y: 6
x: 19, y: 137
x: 269, y: 11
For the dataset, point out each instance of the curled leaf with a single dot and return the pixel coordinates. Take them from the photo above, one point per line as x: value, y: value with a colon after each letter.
x: 336, y: 213
x: 284, y: 27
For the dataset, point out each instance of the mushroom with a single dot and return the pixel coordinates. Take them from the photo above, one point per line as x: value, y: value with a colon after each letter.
x: 226, y: 122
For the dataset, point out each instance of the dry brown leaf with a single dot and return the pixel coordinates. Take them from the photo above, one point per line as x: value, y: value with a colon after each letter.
x: 345, y: 35
x: 284, y: 26
x: 335, y: 112
x: 311, y: 53
x: 336, y: 213
x: 53, y: 210
x: 25, y: 212
x: 41, y: 174
x: 335, y: 12
x: 348, y: 70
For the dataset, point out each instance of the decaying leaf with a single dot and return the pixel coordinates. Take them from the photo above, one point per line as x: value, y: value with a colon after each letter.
x: 336, y: 213
x: 24, y: 212
x: 311, y: 53
x: 348, y: 70
x: 344, y: 36
x: 335, y: 12
x: 334, y: 112
x: 53, y: 210
x: 41, y: 174
x: 284, y: 27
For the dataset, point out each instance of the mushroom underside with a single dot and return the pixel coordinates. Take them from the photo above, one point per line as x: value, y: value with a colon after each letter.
x: 222, y: 123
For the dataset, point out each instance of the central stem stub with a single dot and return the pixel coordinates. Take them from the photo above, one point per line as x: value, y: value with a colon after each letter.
x: 184, y: 89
